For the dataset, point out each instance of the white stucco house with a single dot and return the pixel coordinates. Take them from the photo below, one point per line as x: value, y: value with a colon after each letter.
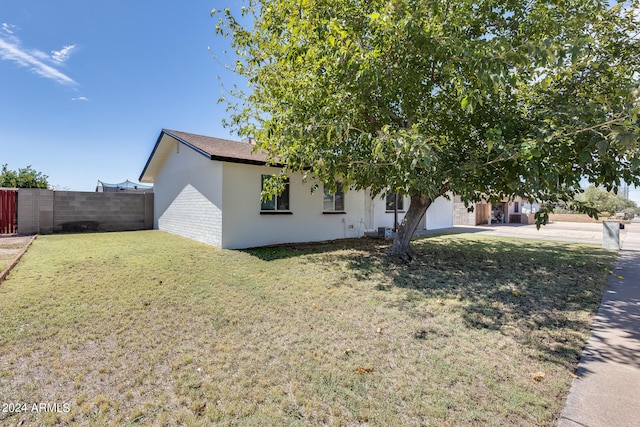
x: 208, y: 189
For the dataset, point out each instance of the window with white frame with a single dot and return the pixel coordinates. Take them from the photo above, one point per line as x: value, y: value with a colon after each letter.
x: 391, y: 201
x: 333, y: 201
x: 278, y: 202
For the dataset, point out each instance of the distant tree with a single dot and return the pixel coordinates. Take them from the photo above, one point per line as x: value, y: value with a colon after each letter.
x: 604, y: 201
x: 23, y: 178
x: 488, y: 98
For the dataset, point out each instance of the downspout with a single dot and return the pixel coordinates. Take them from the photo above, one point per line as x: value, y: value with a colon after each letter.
x: 395, y: 214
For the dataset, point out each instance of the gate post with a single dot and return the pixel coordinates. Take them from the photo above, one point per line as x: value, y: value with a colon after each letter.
x: 8, y: 211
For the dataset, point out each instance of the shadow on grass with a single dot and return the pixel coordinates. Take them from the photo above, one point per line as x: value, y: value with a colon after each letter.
x: 535, y: 292
x: 369, y: 244
x: 293, y: 250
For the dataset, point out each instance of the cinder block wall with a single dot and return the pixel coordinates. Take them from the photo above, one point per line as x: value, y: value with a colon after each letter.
x: 571, y: 218
x: 47, y: 211
x: 462, y: 216
x: 35, y: 211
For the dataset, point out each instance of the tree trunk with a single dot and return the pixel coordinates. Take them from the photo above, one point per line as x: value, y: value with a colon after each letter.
x: 417, y: 208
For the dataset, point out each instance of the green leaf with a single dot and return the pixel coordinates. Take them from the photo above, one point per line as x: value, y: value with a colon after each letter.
x: 465, y: 104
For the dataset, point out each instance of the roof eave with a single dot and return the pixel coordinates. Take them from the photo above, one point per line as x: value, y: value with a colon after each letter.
x: 153, y: 152
x: 245, y: 161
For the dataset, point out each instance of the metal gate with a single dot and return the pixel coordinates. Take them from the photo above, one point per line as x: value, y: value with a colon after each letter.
x: 8, y: 211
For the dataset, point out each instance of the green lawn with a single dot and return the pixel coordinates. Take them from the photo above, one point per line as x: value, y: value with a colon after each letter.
x: 153, y: 329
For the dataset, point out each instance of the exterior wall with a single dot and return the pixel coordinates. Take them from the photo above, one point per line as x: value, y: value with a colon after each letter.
x: 188, y: 196
x: 191, y: 190
x: 384, y: 218
x: 80, y: 211
x: 35, y: 211
x: 531, y: 218
x: 569, y: 218
x: 482, y: 212
x: 461, y: 215
x: 440, y: 214
x: 244, y: 226
x: 46, y: 211
x: 513, y: 216
x: 527, y: 218
x: 369, y: 209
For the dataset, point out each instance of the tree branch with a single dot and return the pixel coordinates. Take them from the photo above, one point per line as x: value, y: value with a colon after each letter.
x: 594, y: 127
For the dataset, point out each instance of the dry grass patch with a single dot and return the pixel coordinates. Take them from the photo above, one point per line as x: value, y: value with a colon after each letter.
x: 10, y: 247
x: 153, y: 329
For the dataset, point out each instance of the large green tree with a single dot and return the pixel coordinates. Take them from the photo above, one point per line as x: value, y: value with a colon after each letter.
x: 605, y: 201
x: 22, y: 178
x: 481, y: 99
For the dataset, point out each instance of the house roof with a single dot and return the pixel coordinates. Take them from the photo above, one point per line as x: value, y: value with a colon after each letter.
x: 214, y: 148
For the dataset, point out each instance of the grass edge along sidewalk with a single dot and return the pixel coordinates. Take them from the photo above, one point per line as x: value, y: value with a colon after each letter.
x: 153, y: 328
x: 14, y: 261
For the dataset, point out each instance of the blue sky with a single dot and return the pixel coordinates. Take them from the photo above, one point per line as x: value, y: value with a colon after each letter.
x: 86, y: 87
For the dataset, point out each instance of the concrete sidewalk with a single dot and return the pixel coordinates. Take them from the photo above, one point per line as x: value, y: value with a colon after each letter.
x: 607, y: 392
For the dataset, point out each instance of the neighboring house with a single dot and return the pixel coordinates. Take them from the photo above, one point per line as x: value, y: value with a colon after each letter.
x: 505, y: 212
x: 208, y: 189
x: 123, y: 187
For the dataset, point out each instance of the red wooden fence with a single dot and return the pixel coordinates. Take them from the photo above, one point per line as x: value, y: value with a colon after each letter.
x: 8, y: 211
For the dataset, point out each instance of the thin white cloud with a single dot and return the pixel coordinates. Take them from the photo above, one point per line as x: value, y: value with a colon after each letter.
x: 8, y: 28
x: 11, y: 50
x: 80, y: 98
x: 62, y: 55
